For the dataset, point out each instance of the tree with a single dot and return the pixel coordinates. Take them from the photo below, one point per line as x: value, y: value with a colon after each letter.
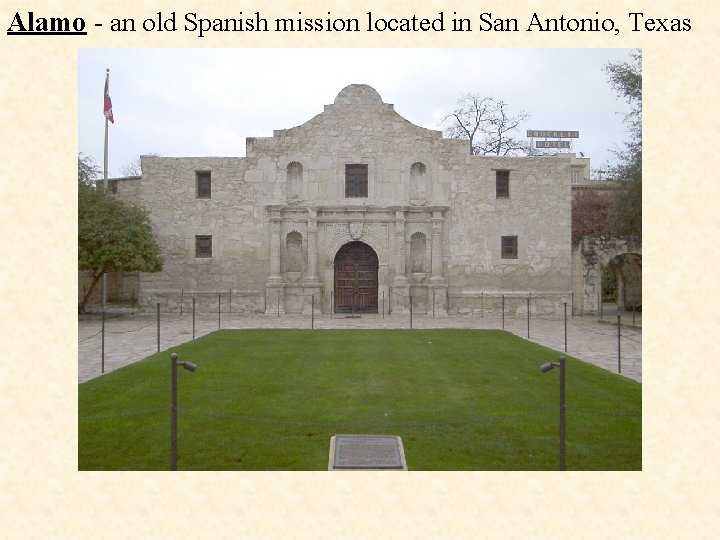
x: 590, y: 214
x: 134, y: 167
x: 113, y: 236
x: 626, y: 213
x: 488, y: 124
x: 88, y: 171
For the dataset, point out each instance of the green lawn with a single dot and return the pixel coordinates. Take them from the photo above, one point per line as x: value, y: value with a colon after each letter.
x: 271, y: 400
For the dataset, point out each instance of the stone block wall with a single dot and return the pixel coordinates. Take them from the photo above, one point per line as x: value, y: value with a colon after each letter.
x: 278, y: 216
x: 537, y: 211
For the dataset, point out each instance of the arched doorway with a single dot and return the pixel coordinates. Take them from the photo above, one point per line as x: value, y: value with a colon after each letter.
x: 356, y: 279
x: 622, y: 281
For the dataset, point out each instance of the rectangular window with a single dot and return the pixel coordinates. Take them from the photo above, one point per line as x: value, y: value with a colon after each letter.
x: 502, y: 184
x: 575, y: 177
x: 509, y: 247
x: 203, y: 246
x: 202, y: 179
x: 356, y: 180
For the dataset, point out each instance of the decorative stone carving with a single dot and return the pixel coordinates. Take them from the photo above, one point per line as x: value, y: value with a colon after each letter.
x: 275, y: 246
x: 437, y: 223
x: 339, y: 235
x: 356, y: 229
x: 312, y: 247
x: 400, y: 277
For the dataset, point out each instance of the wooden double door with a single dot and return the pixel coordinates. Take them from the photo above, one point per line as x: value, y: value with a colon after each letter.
x: 356, y: 279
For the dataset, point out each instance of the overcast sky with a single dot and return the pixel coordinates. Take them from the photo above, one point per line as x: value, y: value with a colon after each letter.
x: 205, y: 102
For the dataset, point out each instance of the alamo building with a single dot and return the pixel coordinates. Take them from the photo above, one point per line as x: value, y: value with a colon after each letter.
x: 360, y: 210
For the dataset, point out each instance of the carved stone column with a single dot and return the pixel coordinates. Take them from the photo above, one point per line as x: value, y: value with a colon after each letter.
x: 400, y: 291
x: 275, y: 220
x: 312, y: 247
x: 437, y: 224
x: 274, y: 288
x: 311, y: 284
x: 400, y: 278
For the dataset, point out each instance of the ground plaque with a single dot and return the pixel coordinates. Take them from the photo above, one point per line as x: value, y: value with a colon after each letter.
x: 366, y: 452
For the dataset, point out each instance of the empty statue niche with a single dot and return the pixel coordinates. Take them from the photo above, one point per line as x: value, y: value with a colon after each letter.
x: 417, y: 181
x: 294, y: 180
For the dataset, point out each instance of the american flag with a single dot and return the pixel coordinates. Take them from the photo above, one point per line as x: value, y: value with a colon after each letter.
x: 107, y: 106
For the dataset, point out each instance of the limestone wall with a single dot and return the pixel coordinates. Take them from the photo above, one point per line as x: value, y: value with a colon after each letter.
x: 232, y: 215
x: 591, y: 256
x: 537, y: 211
x: 357, y: 128
x: 278, y: 216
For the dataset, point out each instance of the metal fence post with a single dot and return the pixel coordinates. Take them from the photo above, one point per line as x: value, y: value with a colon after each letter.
x: 383, y: 301
x: 102, y: 354
x: 312, y: 317
x: 528, y: 316
x: 410, y: 311
x: 193, y: 317
x: 618, y: 344
x: 482, y: 304
x: 565, y: 320
x: 230, y: 302
x: 563, y: 409
x: 278, y: 303
x: 332, y: 305
x: 182, y: 294
x: 219, y: 295
x: 433, y: 304
x: 503, y: 311
x: 158, y: 327
x: 173, y: 412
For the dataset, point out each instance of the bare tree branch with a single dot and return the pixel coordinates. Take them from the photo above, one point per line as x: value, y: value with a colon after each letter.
x: 489, y: 126
x: 133, y: 168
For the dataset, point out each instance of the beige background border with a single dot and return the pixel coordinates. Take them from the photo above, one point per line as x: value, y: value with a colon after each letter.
x: 42, y: 494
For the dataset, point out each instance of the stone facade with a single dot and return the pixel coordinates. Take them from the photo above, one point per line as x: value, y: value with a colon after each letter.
x: 440, y: 226
x: 623, y: 256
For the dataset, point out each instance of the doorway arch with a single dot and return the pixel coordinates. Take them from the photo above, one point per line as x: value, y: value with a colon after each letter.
x: 356, y: 279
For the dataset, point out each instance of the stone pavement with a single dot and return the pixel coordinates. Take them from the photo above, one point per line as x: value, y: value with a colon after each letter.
x: 132, y: 337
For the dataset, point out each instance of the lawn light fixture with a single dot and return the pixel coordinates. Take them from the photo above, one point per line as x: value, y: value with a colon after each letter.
x: 188, y: 366
x: 174, y: 364
x: 545, y: 368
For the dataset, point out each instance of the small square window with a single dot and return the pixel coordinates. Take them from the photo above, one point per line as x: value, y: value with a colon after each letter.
x: 356, y: 180
x: 203, y: 246
x: 502, y: 184
x: 509, y: 247
x: 203, y: 184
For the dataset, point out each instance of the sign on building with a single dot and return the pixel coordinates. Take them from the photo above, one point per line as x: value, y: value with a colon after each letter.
x: 552, y: 134
x: 552, y: 144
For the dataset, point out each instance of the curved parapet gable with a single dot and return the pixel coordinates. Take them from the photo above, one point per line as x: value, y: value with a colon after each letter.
x: 357, y: 109
x: 359, y: 94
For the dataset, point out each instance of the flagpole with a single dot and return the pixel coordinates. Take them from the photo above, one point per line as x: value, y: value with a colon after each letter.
x: 105, y: 186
